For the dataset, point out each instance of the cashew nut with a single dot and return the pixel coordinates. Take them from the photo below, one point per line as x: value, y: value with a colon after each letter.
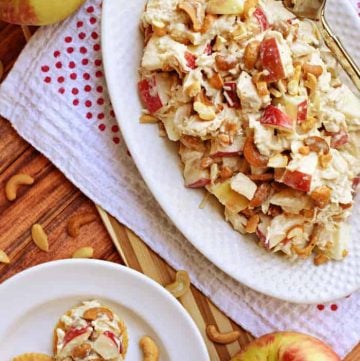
x: 223, y: 338
x: 94, y: 313
x: 181, y: 284
x: 13, y: 184
x: 32, y: 356
x: 4, y: 257
x: 77, y: 221
x: 83, y: 252
x: 39, y: 237
x: 149, y: 348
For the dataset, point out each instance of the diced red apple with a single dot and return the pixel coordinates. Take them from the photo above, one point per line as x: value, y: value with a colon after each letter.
x: 355, y: 183
x: 74, y: 332
x: 149, y: 94
x: 230, y: 94
x: 74, y: 337
x: 208, y: 49
x: 273, y: 117
x: 339, y: 139
x: 106, y: 348
x: 232, y: 150
x: 302, y: 111
x: 232, y: 200
x: 297, y: 180
x: 113, y: 338
x: 190, y: 60
x: 195, y: 176
x: 261, y: 18
x: 271, y: 60
x: 295, y: 107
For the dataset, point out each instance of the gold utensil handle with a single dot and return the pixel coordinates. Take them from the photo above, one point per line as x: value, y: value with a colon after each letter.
x: 335, y: 45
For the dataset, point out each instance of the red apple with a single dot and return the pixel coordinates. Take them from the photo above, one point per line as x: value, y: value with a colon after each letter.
x: 297, y: 180
x: 74, y: 332
x: 37, y: 12
x: 261, y: 18
x: 287, y: 346
x: 208, y: 49
x: 106, y: 348
x: 195, y: 176
x: 355, y: 183
x: 190, y: 60
x: 232, y: 150
x: 231, y: 94
x: 149, y: 94
x: 273, y: 117
x: 339, y: 139
x: 271, y: 60
x: 113, y: 338
x: 302, y: 111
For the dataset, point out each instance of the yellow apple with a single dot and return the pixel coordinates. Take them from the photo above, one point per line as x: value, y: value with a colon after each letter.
x: 37, y: 12
x: 232, y: 200
x: 287, y: 346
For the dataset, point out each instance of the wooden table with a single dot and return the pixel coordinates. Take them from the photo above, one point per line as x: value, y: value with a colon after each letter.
x: 52, y: 200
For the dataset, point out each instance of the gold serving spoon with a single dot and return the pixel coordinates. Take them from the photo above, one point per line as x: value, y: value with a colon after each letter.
x: 315, y: 10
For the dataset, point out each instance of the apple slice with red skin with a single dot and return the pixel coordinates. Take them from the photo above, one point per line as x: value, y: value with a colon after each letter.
x: 231, y: 94
x: 261, y: 18
x: 106, y: 347
x: 232, y: 150
x: 271, y: 60
x: 355, y: 183
x: 297, y: 180
x: 190, y: 60
x: 302, y: 111
x: 287, y: 346
x: 338, y: 139
x: 149, y: 94
x: 113, y: 338
x: 273, y: 117
x: 195, y: 176
x: 74, y: 332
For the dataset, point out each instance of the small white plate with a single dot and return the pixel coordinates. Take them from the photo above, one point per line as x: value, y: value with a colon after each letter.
x: 32, y: 302
x: 159, y: 164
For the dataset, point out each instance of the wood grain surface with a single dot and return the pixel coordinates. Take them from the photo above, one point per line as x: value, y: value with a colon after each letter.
x: 52, y: 200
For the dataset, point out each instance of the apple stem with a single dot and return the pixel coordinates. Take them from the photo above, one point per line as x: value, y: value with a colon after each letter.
x: 26, y: 31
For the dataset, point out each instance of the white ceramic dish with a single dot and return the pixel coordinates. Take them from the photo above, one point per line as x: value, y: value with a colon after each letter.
x: 158, y: 162
x: 32, y: 302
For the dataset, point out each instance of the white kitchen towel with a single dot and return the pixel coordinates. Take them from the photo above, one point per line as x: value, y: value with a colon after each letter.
x: 56, y: 99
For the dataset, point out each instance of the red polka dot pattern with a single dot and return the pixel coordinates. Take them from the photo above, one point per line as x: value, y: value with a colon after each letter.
x: 77, y: 70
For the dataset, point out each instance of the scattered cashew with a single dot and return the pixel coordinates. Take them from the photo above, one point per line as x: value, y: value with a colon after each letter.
x: 13, y: 184
x: 181, y: 285
x: 223, y: 338
x: 148, y: 119
x: 83, y: 252
x: 149, y: 348
x: 39, y: 237
x: 77, y: 221
x: 4, y: 258
x: 94, y: 313
x: 32, y: 356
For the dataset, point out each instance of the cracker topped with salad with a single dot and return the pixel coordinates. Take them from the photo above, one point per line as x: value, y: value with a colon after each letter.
x: 263, y: 121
